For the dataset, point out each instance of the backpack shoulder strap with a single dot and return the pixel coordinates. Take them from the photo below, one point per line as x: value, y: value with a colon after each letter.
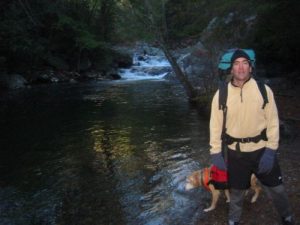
x: 223, y: 92
x: 263, y: 91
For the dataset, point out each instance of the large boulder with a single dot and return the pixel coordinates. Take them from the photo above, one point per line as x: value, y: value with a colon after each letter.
x: 195, y: 61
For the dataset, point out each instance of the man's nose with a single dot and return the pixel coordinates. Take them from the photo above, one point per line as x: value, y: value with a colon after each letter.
x: 241, y: 65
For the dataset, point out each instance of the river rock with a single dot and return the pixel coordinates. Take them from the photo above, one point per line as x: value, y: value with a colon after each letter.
x: 113, y: 74
x: 12, y: 81
x: 91, y: 75
x: 157, y: 70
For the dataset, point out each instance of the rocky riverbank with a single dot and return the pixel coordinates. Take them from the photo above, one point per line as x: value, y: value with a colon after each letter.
x: 49, y: 73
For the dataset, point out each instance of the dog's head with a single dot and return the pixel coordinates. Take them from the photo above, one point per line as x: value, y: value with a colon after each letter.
x: 193, y: 180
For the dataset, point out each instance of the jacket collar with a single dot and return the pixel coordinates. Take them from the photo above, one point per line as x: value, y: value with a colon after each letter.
x: 231, y: 81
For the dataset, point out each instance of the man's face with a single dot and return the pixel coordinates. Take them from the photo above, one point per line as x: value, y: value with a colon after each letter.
x: 241, y: 69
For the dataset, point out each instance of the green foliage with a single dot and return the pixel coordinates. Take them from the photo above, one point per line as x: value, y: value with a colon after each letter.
x: 86, y: 40
x: 185, y: 18
x: 83, y: 39
x: 138, y: 20
x: 33, y: 31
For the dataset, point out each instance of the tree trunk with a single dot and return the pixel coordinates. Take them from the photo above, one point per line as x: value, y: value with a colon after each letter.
x: 191, y: 92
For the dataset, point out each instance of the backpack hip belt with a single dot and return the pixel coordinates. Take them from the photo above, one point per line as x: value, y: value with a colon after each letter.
x: 230, y: 140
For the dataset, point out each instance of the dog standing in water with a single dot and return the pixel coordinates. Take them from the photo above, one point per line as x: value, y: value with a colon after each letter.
x: 202, y: 178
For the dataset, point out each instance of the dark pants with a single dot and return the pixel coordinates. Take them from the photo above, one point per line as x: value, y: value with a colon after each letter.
x: 240, y: 167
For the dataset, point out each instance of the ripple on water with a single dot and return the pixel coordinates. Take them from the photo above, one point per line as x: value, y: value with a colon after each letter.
x: 166, y: 201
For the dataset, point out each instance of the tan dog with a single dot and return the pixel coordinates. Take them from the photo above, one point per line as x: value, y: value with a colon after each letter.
x: 202, y: 177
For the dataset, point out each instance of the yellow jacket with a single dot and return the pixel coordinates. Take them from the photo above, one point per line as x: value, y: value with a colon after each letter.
x: 245, y: 118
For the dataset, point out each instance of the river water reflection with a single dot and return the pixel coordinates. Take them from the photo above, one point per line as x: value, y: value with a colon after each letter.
x: 101, y: 153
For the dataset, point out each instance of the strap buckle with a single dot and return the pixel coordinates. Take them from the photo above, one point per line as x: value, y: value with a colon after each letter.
x: 245, y: 140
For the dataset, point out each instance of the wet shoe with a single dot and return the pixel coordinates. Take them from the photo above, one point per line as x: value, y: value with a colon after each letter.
x: 288, y: 221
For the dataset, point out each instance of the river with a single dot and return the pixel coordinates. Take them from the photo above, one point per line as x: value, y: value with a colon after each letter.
x: 101, y: 153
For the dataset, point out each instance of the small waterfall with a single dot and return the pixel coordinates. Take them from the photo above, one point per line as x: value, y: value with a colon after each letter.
x: 146, y: 67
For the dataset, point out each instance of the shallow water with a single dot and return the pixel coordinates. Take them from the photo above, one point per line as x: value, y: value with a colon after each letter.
x: 101, y: 153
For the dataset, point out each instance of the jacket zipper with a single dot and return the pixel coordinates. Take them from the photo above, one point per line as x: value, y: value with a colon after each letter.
x: 241, y: 94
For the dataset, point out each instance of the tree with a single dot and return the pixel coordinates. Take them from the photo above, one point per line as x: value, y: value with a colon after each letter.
x: 152, y: 15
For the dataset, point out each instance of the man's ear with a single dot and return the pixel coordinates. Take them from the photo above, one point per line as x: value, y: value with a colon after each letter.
x: 250, y: 69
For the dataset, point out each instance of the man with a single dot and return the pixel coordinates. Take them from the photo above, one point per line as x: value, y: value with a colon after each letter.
x: 253, y: 134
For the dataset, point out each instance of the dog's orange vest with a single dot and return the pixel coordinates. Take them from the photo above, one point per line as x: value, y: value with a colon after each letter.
x: 206, y: 178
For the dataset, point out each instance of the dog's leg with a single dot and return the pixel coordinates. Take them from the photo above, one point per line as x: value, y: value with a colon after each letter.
x: 257, y: 191
x: 215, y: 197
x: 227, y: 195
x: 255, y: 187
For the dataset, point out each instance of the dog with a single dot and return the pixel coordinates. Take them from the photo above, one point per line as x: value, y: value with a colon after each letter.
x: 202, y: 178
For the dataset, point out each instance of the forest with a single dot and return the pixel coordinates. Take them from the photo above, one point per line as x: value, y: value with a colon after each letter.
x: 72, y: 35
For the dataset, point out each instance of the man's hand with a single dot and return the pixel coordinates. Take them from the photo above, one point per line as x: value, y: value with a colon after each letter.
x: 218, y: 160
x: 266, y: 161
